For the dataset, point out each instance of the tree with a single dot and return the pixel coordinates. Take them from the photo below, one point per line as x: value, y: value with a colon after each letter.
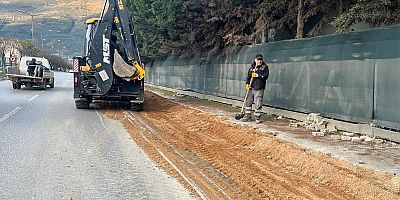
x: 156, y: 27
x: 9, y: 46
x: 206, y: 28
x: 374, y: 12
x: 28, y: 48
x: 300, y: 21
x: 55, y: 61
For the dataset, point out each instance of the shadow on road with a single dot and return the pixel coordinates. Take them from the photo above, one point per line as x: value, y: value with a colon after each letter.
x: 62, y: 89
x: 49, y: 89
x: 98, y: 104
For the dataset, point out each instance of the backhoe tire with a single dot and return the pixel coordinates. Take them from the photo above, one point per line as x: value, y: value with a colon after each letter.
x: 82, y: 104
x: 137, y: 107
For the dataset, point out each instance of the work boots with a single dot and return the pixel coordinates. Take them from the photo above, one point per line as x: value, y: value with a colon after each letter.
x: 246, y: 118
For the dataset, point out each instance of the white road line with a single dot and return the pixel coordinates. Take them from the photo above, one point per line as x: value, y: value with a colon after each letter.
x: 32, y: 98
x: 101, y: 120
x: 8, y: 115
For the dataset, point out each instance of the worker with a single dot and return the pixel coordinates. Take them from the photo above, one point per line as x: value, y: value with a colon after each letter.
x: 31, y: 67
x: 256, y: 80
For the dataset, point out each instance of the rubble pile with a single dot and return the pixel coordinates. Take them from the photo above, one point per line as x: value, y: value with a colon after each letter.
x: 320, y: 127
x: 317, y: 124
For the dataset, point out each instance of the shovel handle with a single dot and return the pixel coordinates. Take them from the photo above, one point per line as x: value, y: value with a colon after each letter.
x: 245, y: 97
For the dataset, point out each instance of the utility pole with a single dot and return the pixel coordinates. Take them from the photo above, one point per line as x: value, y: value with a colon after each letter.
x: 84, y: 7
x: 65, y: 52
x: 32, y: 16
x: 33, y: 35
x: 41, y: 38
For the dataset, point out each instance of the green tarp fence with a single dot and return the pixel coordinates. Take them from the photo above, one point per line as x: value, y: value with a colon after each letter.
x: 352, y: 77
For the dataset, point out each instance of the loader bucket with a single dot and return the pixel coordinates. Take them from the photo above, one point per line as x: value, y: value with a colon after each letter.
x: 121, y: 68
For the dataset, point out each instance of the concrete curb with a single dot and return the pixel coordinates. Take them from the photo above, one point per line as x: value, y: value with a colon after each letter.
x: 364, y: 129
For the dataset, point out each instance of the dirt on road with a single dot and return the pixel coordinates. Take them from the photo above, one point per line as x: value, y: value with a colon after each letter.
x: 216, y: 159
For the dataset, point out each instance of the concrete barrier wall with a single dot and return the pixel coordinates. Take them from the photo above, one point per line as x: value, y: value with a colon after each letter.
x: 351, y: 77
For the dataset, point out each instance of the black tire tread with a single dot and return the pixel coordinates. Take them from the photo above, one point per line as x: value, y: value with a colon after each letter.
x: 137, y: 107
x: 80, y: 104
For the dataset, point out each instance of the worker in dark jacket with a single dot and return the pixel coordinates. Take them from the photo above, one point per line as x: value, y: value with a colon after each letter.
x: 31, y: 67
x: 256, y: 80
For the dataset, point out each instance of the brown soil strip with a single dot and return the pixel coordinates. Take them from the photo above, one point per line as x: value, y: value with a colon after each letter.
x: 216, y: 159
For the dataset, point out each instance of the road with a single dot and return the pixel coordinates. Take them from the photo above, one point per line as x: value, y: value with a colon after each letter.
x: 50, y: 150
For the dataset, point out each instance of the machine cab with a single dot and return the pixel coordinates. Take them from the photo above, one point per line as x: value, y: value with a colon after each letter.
x: 91, y: 24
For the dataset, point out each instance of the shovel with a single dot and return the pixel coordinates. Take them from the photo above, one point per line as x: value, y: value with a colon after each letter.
x: 241, y: 114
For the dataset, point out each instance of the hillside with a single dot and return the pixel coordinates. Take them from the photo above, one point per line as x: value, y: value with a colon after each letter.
x: 74, y: 9
x: 58, y: 25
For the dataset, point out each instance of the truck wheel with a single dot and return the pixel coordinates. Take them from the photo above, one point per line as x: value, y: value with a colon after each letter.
x: 52, y: 84
x: 14, y: 85
x: 44, y: 85
x: 18, y: 85
x: 82, y: 104
x: 137, y: 107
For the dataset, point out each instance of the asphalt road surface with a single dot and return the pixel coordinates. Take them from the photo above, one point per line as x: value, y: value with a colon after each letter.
x: 50, y: 150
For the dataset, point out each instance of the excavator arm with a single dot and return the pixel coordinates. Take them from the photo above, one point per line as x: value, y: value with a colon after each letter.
x: 112, y: 48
